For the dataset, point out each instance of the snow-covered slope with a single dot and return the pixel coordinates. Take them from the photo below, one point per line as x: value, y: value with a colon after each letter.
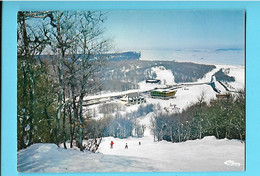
x: 50, y: 158
x: 208, y: 154
x: 163, y: 74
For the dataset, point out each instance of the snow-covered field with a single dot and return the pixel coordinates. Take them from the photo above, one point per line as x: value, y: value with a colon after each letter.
x: 207, y: 154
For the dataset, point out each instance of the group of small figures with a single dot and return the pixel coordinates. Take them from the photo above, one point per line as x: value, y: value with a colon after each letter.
x: 126, y: 146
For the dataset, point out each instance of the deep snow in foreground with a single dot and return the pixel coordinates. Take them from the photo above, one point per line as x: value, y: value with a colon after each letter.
x: 207, y: 154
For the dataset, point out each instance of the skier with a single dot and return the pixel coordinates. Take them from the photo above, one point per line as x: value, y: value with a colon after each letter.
x: 111, y: 144
x: 139, y: 143
x: 85, y: 147
x: 126, y: 146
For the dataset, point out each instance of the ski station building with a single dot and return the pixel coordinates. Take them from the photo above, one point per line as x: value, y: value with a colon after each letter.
x: 153, y: 81
x: 163, y: 93
x: 133, y: 98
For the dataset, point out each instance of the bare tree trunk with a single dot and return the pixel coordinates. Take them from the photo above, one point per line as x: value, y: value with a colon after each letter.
x: 22, y: 142
x: 188, y: 134
x: 32, y: 104
x: 81, y: 121
x: 32, y: 82
x: 63, y: 123
x: 217, y: 132
x: 200, y: 131
x: 75, y: 115
x: 48, y: 122
x: 154, y: 135
x: 60, y: 73
x: 171, y: 134
x: 71, y: 131
x: 179, y: 133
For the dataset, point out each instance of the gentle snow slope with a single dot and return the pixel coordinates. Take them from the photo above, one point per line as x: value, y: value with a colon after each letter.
x: 208, y: 154
x: 50, y: 158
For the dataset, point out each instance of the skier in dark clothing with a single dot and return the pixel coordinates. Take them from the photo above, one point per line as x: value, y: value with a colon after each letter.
x: 139, y: 143
x: 111, y: 144
x: 126, y: 146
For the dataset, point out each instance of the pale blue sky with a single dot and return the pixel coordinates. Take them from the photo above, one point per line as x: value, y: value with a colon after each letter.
x: 179, y: 29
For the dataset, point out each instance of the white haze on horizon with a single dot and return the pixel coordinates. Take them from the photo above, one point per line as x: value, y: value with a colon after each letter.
x: 204, y: 56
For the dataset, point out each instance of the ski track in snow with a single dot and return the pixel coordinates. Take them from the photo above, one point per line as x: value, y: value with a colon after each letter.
x: 163, y: 74
x: 207, y: 154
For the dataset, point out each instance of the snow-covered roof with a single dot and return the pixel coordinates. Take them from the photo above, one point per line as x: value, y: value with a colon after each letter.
x: 153, y: 80
x: 132, y: 95
x: 164, y: 90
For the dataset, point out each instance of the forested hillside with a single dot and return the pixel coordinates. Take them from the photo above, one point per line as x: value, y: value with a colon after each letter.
x: 222, y: 118
x: 222, y: 75
x: 125, y: 75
